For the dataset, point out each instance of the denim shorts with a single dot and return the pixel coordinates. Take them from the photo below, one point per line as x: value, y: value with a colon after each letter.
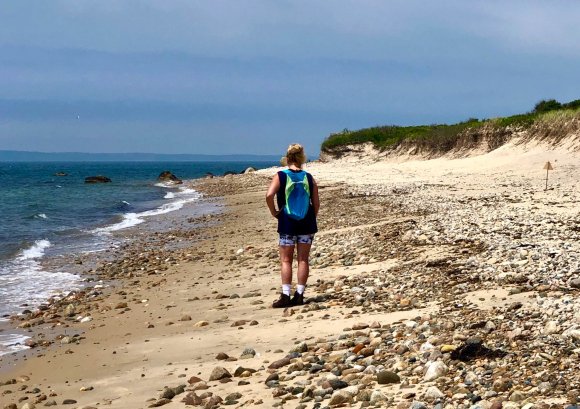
x: 289, y: 240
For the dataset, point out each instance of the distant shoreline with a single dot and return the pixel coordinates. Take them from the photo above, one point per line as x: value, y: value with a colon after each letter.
x: 25, y: 156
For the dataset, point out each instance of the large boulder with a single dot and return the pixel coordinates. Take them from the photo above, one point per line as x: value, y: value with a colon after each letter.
x: 249, y: 170
x: 167, y: 176
x: 97, y: 179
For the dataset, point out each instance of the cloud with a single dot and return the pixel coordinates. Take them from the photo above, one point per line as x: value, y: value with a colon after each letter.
x: 273, y: 69
x: 537, y: 27
x: 368, y: 30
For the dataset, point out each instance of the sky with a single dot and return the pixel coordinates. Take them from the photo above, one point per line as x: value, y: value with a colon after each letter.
x: 252, y: 76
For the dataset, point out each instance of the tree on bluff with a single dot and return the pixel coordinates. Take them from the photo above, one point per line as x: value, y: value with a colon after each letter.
x: 547, y: 105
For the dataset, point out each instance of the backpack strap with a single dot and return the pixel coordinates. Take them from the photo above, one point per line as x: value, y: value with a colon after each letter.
x: 290, y: 172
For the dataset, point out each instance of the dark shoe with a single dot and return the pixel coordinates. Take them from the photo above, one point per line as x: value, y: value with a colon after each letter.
x: 298, y: 299
x: 283, y: 302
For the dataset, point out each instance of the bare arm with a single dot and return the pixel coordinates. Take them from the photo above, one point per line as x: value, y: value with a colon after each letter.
x: 315, y: 198
x: 272, y: 190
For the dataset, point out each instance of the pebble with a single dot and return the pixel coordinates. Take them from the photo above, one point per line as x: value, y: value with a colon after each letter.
x: 340, y: 397
x: 160, y: 402
x: 387, y: 377
x: 279, y: 363
x: 432, y: 393
x: 435, y: 370
x: 219, y: 373
x: 248, y: 353
x: 551, y: 327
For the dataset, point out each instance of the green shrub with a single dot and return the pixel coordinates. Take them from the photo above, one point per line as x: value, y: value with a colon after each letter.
x: 547, y: 105
x: 572, y: 104
x: 386, y: 136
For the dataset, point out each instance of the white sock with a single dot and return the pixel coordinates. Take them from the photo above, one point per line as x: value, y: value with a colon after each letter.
x: 300, y: 288
x: 286, y: 289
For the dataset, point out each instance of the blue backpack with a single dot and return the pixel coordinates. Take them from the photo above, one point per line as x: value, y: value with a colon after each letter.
x: 297, y: 194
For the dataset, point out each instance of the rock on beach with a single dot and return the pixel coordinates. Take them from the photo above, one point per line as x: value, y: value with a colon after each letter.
x: 167, y: 176
x: 219, y: 373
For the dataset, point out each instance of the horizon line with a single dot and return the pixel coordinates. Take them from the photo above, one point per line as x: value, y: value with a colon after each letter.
x: 136, y: 153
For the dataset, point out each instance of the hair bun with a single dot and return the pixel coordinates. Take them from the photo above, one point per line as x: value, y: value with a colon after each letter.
x: 295, y: 155
x: 295, y: 148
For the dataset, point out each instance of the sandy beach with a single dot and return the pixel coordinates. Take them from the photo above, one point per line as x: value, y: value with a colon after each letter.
x: 446, y: 283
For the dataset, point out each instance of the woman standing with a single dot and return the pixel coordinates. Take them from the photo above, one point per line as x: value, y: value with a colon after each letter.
x: 298, y: 203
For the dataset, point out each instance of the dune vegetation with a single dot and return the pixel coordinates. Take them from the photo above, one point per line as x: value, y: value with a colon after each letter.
x: 445, y: 136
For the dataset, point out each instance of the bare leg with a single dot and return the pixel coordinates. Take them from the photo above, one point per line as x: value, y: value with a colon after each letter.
x: 286, y: 256
x: 303, y: 266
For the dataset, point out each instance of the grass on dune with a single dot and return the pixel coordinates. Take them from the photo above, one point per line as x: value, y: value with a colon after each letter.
x: 443, y: 136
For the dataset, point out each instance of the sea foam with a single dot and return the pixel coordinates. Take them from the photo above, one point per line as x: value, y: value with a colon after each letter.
x: 10, y: 343
x: 34, y: 251
x: 24, y: 281
x: 184, y: 196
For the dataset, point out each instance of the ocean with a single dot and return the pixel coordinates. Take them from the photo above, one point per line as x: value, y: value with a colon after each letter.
x: 47, y: 216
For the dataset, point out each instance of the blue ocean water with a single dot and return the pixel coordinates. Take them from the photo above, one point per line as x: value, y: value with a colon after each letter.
x: 42, y: 214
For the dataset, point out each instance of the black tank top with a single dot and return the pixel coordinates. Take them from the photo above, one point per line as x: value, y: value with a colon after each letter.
x: 287, y: 225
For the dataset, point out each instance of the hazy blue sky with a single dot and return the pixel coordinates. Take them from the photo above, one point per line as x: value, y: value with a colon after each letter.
x: 245, y: 76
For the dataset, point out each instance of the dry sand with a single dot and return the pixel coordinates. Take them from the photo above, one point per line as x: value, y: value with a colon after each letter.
x: 126, y: 356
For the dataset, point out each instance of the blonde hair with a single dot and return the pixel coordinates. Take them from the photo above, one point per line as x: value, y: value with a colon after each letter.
x: 295, y: 155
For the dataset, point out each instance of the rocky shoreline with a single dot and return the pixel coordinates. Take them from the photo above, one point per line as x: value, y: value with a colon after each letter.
x: 422, y: 295
x: 136, y: 253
